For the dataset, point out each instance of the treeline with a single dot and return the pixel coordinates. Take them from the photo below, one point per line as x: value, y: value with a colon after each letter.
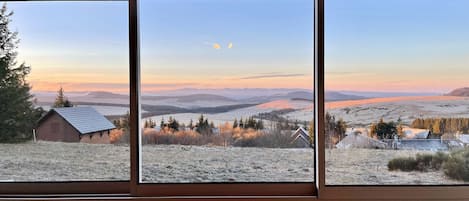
x: 249, y: 123
x: 442, y: 125
x: 227, y: 136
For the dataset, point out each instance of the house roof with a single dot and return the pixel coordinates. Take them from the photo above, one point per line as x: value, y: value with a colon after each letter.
x: 84, y: 119
x: 356, y: 140
x: 464, y: 138
x: 302, y: 134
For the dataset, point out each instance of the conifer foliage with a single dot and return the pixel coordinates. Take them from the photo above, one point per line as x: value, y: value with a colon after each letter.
x: 17, y: 112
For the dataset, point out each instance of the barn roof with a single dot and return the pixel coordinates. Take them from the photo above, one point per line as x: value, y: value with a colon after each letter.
x: 84, y: 119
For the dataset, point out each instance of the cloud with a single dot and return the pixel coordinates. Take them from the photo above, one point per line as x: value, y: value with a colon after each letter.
x: 271, y: 76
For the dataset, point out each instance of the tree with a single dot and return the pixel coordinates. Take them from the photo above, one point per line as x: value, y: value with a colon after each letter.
x: 384, y: 130
x: 162, y: 123
x: 61, y: 100
x: 400, y: 128
x: 235, y: 123
x: 191, y: 125
x: 334, y: 130
x: 173, y: 124
x: 17, y: 112
x: 149, y: 123
x: 203, y: 126
x: 311, y: 133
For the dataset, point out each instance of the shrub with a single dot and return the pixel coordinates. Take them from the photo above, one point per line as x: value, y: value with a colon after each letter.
x: 439, y: 159
x: 457, y: 166
x: 403, y: 163
x: 422, y: 162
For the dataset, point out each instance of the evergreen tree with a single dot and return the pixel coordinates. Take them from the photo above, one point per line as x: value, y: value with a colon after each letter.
x: 191, y: 125
x: 61, y: 100
x: 17, y: 112
x: 384, y: 130
x: 311, y: 133
x: 173, y: 124
x: 203, y: 126
x: 235, y: 123
x: 162, y: 124
x: 259, y: 125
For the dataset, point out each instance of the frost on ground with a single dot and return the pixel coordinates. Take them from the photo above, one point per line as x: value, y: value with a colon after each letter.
x: 369, y: 167
x: 226, y: 164
x: 54, y: 161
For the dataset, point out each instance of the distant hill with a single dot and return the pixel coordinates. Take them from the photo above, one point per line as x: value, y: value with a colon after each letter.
x: 106, y: 95
x: 379, y: 94
x: 202, y: 97
x: 337, y: 96
x: 459, y: 92
x: 184, y: 98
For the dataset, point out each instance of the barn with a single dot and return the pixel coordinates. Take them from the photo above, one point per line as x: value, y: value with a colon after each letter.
x: 74, y: 124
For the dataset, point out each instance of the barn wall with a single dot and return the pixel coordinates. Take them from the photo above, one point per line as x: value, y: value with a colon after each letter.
x: 55, y: 128
x: 96, y: 138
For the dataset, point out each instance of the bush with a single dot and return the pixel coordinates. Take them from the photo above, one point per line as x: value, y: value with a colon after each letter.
x: 457, y: 166
x: 422, y: 162
x: 403, y: 163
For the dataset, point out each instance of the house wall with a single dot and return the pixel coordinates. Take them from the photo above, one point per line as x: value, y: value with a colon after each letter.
x: 55, y: 128
x: 101, y: 137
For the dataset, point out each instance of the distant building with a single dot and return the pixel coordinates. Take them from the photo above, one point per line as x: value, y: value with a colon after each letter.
x: 422, y: 144
x: 74, y: 124
x: 357, y: 140
x: 415, y: 133
x: 464, y: 139
x: 301, y: 138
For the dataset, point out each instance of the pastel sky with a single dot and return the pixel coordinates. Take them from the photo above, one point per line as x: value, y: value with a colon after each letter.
x: 397, y: 45
x: 199, y: 43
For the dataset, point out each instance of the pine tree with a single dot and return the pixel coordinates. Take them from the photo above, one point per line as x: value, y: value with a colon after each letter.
x: 311, y: 133
x: 235, y: 123
x: 17, y: 112
x: 61, y: 100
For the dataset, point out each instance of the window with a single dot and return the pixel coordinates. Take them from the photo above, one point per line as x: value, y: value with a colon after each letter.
x: 380, y: 71
x: 328, y: 186
x: 72, y: 58
x: 227, y: 91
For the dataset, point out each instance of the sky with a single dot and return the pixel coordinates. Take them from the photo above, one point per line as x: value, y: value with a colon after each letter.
x: 397, y: 45
x: 386, y: 45
x: 83, y: 46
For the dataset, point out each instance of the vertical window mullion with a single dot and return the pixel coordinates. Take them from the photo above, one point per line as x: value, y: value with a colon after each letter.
x: 319, y: 93
x: 134, y: 58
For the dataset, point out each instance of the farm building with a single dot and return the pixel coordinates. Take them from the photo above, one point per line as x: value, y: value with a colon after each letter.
x: 464, y: 139
x: 357, y: 140
x: 301, y: 138
x: 74, y: 124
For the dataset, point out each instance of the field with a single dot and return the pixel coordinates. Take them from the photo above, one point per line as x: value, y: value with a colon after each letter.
x: 369, y: 167
x: 53, y: 161
x: 366, y: 111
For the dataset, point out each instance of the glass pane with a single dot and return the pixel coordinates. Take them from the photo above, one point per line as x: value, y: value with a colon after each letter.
x: 396, y: 92
x: 61, y: 88
x: 227, y: 91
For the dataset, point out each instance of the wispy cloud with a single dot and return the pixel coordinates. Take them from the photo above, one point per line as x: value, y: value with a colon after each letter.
x: 271, y: 76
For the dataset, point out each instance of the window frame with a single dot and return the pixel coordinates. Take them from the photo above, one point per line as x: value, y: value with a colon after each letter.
x: 304, y: 190
x: 364, y: 192
x: 307, y: 189
x: 266, y: 191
